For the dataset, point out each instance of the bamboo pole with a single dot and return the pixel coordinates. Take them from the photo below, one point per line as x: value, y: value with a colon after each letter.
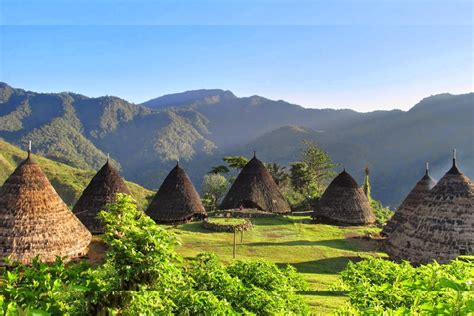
x: 235, y: 246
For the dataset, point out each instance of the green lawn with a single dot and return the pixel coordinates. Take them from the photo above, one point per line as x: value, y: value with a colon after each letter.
x: 317, y: 251
x: 227, y: 221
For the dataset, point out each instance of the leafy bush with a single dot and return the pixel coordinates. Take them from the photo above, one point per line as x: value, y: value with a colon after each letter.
x: 140, y: 263
x: 214, y: 186
x: 267, y: 295
x: 39, y: 287
x: 140, y: 252
x: 376, y: 286
x: 382, y: 214
x: 268, y: 276
x: 194, y: 302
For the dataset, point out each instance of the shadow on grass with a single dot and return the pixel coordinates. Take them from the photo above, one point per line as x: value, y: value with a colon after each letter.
x: 271, y: 221
x: 341, y: 244
x: 323, y: 266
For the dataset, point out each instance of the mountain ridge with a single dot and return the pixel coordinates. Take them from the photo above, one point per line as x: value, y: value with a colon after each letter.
x: 146, y: 142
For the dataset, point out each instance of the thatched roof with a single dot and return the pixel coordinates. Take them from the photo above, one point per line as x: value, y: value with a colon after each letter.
x: 177, y: 200
x: 344, y: 202
x: 255, y: 188
x: 441, y: 227
x: 411, y: 202
x: 102, y: 189
x: 34, y: 221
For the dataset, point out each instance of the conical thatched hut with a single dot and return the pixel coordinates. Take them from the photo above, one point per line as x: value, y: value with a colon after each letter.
x: 177, y: 200
x: 344, y: 202
x: 34, y: 221
x: 255, y: 188
x: 102, y: 189
x: 413, y: 199
x: 442, y: 227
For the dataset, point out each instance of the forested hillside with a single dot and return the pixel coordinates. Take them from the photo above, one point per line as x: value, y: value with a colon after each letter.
x: 199, y: 127
x: 80, y: 131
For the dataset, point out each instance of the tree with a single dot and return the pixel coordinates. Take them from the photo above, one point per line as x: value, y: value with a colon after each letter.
x: 279, y: 174
x: 233, y: 162
x: 219, y: 170
x: 382, y: 213
x: 236, y: 162
x: 214, y: 186
x: 320, y: 166
x: 367, y: 187
x: 301, y: 178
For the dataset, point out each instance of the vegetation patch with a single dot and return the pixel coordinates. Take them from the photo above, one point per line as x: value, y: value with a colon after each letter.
x: 248, y: 213
x: 223, y: 224
x: 378, y: 286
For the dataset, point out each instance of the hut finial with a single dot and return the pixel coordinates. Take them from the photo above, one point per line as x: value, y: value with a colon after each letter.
x: 108, y: 157
x: 177, y: 162
x: 254, y: 153
x: 427, y: 168
x: 454, y: 157
x: 29, y: 149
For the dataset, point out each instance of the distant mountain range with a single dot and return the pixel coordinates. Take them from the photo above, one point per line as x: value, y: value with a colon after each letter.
x: 199, y: 127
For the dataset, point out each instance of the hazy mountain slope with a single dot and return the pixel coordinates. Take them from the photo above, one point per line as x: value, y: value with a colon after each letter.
x: 233, y: 121
x: 189, y: 97
x: 68, y: 181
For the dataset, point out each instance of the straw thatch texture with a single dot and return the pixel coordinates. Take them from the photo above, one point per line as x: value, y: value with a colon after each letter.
x: 255, y: 188
x: 442, y: 227
x: 102, y: 190
x: 411, y: 202
x: 344, y: 202
x: 177, y: 200
x: 34, y: 221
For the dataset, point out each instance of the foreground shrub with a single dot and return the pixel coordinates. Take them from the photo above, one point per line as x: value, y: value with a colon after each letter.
x: 248, y: 293
x: 30, y: 289
x: 268, y: 276
x: 382, y: 213
x: 378, y: 286
x: 141, y: 253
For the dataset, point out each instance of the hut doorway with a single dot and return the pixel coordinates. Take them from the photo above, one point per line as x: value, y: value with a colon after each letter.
x: 250, y: 204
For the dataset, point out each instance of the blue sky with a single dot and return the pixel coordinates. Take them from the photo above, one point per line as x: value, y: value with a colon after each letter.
x: 364, y: 54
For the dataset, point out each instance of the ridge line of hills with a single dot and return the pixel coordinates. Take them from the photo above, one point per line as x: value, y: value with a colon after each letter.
x: 199, y: 127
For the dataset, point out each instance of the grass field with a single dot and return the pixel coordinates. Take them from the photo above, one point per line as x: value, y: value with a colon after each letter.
x: 317, y: 251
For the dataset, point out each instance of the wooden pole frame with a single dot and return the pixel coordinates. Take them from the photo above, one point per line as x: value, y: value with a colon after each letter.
x: 235, y: 245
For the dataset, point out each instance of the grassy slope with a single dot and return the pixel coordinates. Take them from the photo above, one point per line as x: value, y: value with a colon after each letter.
x: 69, y: 182
x: 317, y: 251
